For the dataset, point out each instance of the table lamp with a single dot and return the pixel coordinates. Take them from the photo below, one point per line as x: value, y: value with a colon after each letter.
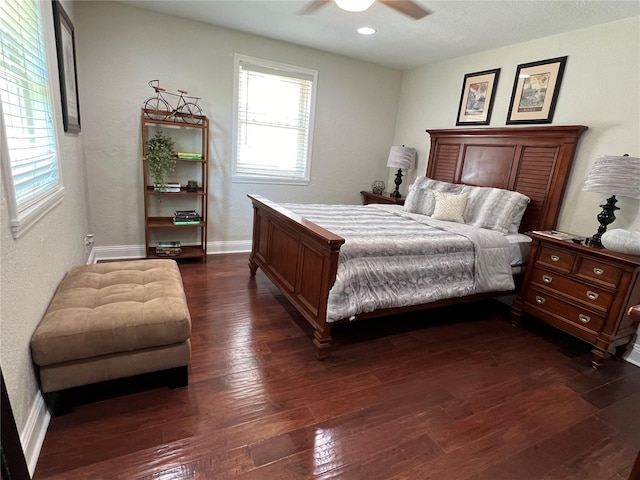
x: 401, y: 157
x: 615, y: 175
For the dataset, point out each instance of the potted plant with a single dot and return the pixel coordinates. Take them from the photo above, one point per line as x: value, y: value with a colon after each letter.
x: 161, y: 158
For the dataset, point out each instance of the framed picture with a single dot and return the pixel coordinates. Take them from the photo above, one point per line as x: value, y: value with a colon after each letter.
x: 66, y: 48
x: 535, y: 91
x: 476, y: 99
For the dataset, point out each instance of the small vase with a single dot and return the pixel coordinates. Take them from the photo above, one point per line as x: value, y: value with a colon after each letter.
x: 192, y: 186
x: 378, y: 186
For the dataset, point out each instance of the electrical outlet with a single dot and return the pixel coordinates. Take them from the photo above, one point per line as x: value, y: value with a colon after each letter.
x: 88, y: 241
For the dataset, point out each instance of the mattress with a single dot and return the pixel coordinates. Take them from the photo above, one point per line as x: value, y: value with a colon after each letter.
x: 519, y: 246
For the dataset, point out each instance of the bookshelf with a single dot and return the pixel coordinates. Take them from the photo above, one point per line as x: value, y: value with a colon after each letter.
x: 159, y: 207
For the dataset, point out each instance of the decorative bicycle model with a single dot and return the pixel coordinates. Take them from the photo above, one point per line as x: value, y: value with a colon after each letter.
x: 159, y: 107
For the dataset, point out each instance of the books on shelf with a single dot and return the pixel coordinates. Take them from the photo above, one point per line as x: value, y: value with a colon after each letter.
x: 167, y: 187
x: 186, y: 222
x: 186, y: 217
x: 168, y: 249
x: 189, y: 156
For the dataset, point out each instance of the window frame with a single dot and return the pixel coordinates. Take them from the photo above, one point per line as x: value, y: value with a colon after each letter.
x: 25, y: 216
x: 295, y: 71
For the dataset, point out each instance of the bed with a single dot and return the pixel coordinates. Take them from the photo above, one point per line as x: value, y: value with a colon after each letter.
x: 301, y: 257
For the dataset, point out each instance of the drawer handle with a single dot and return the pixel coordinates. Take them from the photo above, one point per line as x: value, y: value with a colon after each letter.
x: 540, y: 300
x: 592, y: 295
x: 547, y: 279
x: 584, y: 318
x: 598, y: 271
x: 555, y: 258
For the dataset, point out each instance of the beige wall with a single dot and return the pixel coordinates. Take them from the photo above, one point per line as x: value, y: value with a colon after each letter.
x: 599, y: 90
x: 120, y: 50
x: 33, y: 265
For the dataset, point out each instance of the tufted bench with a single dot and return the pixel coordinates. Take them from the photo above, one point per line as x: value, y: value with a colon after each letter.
x: 113, y: 320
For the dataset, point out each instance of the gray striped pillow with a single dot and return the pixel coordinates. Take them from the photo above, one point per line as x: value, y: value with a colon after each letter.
x: 495, y: 208
x: 420, y: 198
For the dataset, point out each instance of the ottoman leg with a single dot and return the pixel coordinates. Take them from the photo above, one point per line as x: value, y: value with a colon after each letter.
x: 58, y: 403
x: 178, y: 377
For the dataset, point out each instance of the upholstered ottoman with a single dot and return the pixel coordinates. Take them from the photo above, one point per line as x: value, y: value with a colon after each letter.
x: 113, y: 320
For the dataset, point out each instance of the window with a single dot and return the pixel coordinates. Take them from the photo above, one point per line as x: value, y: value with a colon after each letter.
x: 29, y: 152
x: 274, y: 121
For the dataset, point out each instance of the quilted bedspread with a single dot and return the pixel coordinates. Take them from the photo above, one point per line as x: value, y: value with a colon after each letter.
x: 392, y: 258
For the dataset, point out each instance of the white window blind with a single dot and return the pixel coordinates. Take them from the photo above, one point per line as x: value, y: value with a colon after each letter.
x: 274, y: 121
x: 29, y: 153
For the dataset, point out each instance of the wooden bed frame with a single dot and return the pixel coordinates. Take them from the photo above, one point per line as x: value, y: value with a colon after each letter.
x: 301, y: 258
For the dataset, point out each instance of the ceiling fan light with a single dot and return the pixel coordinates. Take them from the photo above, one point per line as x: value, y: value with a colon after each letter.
x: 354, y: 5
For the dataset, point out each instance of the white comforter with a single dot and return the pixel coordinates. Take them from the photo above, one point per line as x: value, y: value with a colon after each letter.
x: 392, y: 258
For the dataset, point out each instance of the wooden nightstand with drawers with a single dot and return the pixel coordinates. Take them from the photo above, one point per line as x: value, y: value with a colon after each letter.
x: 370, y: 197
x: 585, y: 291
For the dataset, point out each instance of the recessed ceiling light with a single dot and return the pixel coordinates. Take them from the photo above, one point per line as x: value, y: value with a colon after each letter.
x: 366, y: 31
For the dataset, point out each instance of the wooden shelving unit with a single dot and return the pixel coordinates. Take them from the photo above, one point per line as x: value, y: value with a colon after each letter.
x: 159, y: 226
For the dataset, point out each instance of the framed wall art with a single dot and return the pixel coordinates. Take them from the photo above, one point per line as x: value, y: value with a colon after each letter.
x: 535, y: 91
x: 476, y: 99
x: 66, y: 49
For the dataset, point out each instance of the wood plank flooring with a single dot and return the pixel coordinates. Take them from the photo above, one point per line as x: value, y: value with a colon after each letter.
x: 456, y: 393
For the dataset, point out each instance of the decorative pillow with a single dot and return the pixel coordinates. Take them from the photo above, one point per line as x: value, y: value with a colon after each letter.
x: 623, y: 241
x: 440, y: 186
x: 420, y: 198
x: 450, y: 206
x: 518, y: 213
x: 495, y: 208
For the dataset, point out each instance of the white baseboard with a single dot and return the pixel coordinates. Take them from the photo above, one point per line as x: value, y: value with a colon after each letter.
x: 239, y: 246
x: 633, y: 354
x: 32, y: 436
x: 131, y: 252
x: 119, y: 252
x: 92, y: 256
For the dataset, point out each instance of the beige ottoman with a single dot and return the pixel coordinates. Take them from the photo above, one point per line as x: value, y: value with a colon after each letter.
x: 113, y: 320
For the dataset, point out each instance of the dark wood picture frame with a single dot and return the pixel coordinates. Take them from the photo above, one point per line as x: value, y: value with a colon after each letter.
x: 477, y: 96
x: 66, y: 49
x: 535, y: 91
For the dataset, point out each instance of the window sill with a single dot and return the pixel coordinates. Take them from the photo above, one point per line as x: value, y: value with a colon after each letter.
x: 270, y: 180
x: 33, y: 214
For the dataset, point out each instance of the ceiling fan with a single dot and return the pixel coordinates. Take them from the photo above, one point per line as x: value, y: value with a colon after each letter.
x: 407, y: 7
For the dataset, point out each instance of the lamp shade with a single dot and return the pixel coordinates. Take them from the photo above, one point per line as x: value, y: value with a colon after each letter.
x: 402, y: 157
x: 614, y: 175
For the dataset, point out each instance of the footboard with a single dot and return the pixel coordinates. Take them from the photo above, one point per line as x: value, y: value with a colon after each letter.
x: 300, y: 258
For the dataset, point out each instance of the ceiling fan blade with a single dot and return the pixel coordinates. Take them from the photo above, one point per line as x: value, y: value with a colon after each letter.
x: 313, y: 6
x: 407, y: 7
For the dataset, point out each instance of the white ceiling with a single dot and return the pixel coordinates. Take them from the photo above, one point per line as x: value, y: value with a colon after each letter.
x: 454, y: 28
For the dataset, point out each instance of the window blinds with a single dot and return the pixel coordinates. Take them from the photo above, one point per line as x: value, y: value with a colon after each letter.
x: 274, y: 118
x: 26, y: 107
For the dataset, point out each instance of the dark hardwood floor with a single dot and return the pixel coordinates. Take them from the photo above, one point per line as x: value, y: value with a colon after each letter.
x: 456, y: 393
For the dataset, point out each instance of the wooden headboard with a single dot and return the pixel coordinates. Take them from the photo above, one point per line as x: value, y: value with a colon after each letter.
x: 534, y: 161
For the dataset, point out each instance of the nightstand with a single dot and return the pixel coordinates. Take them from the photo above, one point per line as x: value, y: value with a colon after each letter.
x: 370, y: 197
x: 583, y: 290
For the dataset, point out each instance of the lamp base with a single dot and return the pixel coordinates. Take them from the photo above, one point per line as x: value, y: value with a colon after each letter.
x: 605, y: 218
x: 398, y: 182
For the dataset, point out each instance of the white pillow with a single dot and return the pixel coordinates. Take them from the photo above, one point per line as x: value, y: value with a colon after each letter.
x: 450, y: 206
x: 621, y: 240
